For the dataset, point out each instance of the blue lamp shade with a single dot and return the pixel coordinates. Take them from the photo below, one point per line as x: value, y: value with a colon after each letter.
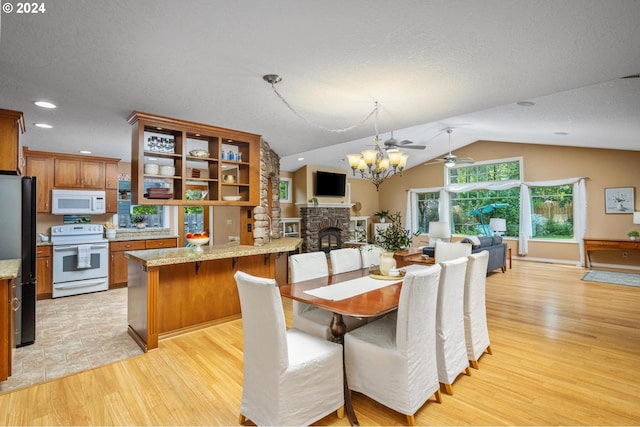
x: 498, y: 225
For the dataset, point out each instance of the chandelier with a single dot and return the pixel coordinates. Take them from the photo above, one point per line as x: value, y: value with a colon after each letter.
x: 373, y: 164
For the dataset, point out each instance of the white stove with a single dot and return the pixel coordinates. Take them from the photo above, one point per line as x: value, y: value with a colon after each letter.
x: 80, y: 259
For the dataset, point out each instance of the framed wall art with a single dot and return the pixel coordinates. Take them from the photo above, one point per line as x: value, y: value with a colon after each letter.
x: 619, y: 200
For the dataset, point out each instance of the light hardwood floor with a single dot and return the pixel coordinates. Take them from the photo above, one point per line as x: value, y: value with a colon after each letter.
x: 565, y: 352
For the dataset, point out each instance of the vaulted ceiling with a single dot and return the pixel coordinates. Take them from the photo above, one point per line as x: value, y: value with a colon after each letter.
x: 430, y: 64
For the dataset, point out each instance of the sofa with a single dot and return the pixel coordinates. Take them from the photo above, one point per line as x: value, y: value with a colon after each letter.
x: 493, y: 244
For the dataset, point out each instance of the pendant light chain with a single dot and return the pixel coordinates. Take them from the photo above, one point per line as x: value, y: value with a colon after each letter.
x: 307, y: 121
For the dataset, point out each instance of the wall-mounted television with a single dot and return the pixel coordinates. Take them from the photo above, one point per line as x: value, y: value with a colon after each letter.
x: 330, y: 184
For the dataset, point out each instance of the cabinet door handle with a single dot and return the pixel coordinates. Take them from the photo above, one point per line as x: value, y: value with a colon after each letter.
x: 46, y: 263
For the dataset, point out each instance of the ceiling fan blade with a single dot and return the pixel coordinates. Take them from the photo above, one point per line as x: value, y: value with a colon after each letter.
x: 414, y: 147
x: 434, y: 162
x: 464, y: 160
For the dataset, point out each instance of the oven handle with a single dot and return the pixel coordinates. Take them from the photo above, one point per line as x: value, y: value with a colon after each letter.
x: 74, y: 248
x: 79, y: 285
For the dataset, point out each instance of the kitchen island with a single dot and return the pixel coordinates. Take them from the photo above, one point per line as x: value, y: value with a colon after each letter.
x: 9, y: 269
x: 173, y: 291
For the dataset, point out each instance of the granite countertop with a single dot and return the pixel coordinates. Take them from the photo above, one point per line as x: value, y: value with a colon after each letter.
x: 9, y: 268
x: 169, y: 256
x: 141, y: 236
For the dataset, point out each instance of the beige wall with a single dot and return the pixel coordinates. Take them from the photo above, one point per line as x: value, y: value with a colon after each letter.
x: 605, y: 168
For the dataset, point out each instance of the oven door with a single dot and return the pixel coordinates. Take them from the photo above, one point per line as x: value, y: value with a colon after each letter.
x: 68, y: 267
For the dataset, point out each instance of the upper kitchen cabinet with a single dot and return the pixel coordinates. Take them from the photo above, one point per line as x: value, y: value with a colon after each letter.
x: 186, y: 163
x: 68, y: 171
x: 11, y: 127
x: 77, y: 173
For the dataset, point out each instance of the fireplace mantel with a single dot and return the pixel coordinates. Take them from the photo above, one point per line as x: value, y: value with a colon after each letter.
x: 324, y: 205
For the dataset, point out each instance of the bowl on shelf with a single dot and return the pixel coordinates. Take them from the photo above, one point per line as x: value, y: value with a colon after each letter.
x: 198, y: 242
x: 199, y: 153
x: 231, y: 198
x: 167, y: 170
x: 151, y: 169
x: 229, y: 179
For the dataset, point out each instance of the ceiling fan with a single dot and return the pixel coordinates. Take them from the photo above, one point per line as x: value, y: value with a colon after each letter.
x: 450, y: 159
x: 405, y: 143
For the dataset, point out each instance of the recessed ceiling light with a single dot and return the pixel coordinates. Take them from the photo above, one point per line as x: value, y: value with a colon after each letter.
x: 84, y: 152
x: 561, y: 133
x: 45, y: 104
x: 526, y: 103
x: 43, y: 125
x: 300, y: 159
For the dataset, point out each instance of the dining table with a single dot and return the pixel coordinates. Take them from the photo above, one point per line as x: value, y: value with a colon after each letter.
x: 378, y: 297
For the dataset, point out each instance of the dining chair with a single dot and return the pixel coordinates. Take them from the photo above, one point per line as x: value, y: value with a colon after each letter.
x: 308, y: 318
x: 393, y: 361
x: 289, y: 377
x: 475, y: 309
x: 370, y: 255
x: 345, y: 259
x: 451, y: 349
x: 445, y: 251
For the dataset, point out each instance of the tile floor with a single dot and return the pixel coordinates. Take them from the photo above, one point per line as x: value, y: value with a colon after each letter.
x: 74, y: 334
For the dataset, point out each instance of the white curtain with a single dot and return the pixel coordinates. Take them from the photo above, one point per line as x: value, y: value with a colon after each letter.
x: 443, y: 208
x: 580, y: 216
x: 409, y: 213
x: 525, y: 220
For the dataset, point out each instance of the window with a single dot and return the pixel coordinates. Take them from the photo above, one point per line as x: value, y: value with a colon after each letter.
x: 472, y: 211
x: 491, y: 194
x: 427, y: 204
x: 552, y: 212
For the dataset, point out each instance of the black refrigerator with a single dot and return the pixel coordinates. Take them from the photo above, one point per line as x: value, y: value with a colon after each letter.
x: 18, y: 241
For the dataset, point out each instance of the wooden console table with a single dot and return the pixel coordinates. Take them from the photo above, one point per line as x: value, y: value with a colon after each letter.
x: 595, y: 244
x: 411, y: 256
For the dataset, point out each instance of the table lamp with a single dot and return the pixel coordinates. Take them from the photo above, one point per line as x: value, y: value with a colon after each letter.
x: 498, y: 226
x: 439, y: 232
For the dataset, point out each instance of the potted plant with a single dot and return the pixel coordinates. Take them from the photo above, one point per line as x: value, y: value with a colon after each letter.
x: 391, y: 239
x: 382, y: 215
x: 138, y: 221
x: 633, y: 235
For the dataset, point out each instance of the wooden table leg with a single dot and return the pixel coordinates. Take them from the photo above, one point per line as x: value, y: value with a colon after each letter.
x: 338, y: 329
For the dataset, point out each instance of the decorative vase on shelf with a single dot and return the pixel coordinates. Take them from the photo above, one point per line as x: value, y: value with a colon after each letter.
x: 387, y: 262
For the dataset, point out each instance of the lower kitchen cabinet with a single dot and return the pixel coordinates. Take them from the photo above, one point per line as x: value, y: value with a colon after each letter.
x: 118, y: 264
x: 7, y: 295
x: 44, y: 272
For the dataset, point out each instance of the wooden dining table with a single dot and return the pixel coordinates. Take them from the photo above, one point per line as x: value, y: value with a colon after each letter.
x: 368, y: 305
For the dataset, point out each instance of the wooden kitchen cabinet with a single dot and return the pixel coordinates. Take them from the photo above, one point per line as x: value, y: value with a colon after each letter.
x: 74, y: 173
x: 42, y: 168
x: 7, y: 293
x: 118, y: 264
x: 224, y: 163
x: 11, y: 127
x: 68, y: 171
x: 44, y: 272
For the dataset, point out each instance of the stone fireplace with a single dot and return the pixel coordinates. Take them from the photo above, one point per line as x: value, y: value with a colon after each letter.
x: 327, y: 222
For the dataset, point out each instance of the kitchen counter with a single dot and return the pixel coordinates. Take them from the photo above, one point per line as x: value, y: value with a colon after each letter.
x: 174, y: 291
x: 9, y: 269
x: 159, y: 257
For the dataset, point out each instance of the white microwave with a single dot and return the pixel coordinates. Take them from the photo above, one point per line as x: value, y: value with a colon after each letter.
x: 77, y: 202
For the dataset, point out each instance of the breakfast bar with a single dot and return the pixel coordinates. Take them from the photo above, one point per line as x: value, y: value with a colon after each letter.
x: 173, y: 291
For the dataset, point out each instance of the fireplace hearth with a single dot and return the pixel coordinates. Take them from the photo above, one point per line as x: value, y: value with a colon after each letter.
x: 332, y: 222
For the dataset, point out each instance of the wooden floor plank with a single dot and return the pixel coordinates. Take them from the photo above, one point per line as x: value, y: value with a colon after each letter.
x: 565, y: 352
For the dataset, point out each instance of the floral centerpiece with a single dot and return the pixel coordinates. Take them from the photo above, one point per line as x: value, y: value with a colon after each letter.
x: 392, y: 239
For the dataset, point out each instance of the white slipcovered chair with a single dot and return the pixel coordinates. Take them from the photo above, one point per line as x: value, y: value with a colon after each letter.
x: 475, y: 309
x: 451, y: 348
x: 394, y: 361
x: 308, y: 318
x: 345, y: 259
x: 445, y: 251
x: 290, y: 378
x: 370, y: 255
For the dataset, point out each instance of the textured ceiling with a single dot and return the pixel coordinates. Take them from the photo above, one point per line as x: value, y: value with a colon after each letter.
x: 430, y: 64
